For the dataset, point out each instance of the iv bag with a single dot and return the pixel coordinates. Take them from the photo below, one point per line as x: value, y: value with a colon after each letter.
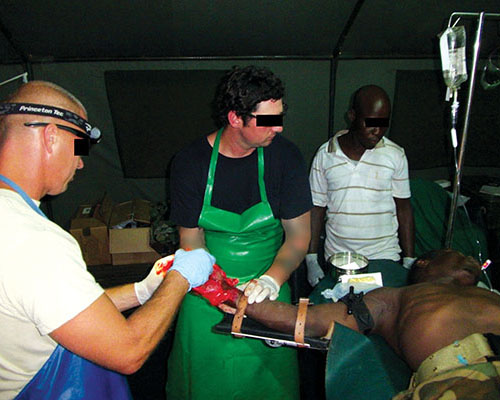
x: 452, y: 46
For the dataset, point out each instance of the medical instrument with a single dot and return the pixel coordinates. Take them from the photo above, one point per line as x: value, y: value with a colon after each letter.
x: 347, y: 263
x: 484, y: 267
x: 452, y: 46
x: 23, y: 76
x: 459, y: 163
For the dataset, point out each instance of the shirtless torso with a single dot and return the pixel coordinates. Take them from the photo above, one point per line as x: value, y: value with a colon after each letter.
x: 420, y: 319
x: 415, y: 320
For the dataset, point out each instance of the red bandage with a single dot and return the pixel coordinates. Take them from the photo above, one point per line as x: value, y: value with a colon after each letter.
x: 212, y: 289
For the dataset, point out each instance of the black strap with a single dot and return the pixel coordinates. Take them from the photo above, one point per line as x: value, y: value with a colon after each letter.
x: 494, y: 342
x: 357, y: 307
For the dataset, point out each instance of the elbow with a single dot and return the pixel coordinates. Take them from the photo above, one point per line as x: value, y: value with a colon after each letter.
x: 304, y: 243
x: 129, y: 361
x: 130, y: 365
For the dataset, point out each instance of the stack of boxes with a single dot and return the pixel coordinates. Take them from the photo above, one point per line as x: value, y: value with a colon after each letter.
x: 114, y: 234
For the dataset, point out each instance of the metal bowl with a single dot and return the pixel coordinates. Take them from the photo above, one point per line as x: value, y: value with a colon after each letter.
x: 347, y: 263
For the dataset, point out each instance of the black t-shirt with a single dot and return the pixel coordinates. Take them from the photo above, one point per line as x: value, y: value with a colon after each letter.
x: 236, y: 181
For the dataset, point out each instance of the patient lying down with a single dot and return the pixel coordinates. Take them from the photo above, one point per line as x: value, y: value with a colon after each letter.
x: 440, y: 307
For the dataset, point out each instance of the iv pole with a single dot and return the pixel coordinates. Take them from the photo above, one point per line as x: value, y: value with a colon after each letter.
x: 23, y: 76
x: 458, y: 170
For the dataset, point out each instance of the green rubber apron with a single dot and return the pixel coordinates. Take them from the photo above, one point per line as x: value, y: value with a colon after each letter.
x: 206, y: 365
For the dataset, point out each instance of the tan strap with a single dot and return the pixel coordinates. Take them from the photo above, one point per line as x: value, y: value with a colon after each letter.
x: 238, y: 317
x: 300, y: 324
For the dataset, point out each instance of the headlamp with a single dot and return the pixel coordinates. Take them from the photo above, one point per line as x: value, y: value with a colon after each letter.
x: 91, y: 133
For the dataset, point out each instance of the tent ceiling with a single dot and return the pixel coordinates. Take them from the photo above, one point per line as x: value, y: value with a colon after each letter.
x: 62, y: 30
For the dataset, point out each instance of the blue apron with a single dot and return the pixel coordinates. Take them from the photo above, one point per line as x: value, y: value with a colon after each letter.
x: 66, y: 375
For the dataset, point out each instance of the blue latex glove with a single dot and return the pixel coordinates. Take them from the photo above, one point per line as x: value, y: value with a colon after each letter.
x: 195, y: 265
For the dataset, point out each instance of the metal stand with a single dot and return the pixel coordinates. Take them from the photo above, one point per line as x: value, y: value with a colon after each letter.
x: 23, y: 76
x: 458, y: 171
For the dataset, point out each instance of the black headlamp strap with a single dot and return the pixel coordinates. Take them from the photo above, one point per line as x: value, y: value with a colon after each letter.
x: 54, y: 112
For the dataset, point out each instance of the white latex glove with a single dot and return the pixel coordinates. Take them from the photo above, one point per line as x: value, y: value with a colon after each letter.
x: 194, y: 265
x: 145, y: 288
x: 259, y: 289
x: 314, y: 271
x: 342, y: 288
x: 408, y: 262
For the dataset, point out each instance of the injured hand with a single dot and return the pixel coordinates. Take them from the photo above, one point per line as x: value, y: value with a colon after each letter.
x: 217, y: 289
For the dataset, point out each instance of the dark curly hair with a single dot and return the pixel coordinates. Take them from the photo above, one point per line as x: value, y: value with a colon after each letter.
x: 241, y: 89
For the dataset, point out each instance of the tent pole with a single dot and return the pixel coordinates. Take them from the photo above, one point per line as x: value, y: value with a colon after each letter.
x: 334, y: 62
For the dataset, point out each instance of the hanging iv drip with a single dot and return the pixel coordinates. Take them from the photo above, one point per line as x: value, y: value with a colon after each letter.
x: 452, y: 46
x: 454, y: 118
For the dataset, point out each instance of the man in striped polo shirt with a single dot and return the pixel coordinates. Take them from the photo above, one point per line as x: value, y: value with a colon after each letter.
x: 359, y: 181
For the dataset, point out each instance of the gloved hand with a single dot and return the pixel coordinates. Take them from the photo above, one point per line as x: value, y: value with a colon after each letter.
x: 145, y: 288
x: 259, y: 289
x: 408, y: 262
x: 342, y: 288
x: 195, y: 265
x: 314, y: 271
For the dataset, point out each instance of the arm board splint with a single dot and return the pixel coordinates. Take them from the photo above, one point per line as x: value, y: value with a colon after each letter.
x: 358, y: 366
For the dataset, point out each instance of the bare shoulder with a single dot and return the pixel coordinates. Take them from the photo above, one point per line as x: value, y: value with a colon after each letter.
x: 384, y: 305
x: 427, y: 308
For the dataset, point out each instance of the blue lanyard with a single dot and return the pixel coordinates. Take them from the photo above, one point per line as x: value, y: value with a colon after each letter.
x: 23, y: 194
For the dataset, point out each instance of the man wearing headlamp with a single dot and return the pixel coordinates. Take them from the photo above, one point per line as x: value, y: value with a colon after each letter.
x: 62, y: 334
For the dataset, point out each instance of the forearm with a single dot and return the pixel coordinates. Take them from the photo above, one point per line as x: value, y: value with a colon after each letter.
x: 282, y: 317
x: 123, y: 296
x: 293, y: 250
x: 102, y: 335
x: 148, y: 325
x: 407, y: 241
x: 191, y: 238
x: 406, y: 231
x: 317, y: 223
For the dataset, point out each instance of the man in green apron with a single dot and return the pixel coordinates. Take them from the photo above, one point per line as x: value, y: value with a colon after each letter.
x: 243, y: 193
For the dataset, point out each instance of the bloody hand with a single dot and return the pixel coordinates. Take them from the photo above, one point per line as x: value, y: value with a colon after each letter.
x: 218, y: 289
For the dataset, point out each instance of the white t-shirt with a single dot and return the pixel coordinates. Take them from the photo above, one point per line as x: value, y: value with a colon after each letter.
x: 361, y: 212
x: 44, y: 283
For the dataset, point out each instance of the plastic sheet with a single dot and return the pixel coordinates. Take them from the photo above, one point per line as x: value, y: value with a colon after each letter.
x: 66, y: 375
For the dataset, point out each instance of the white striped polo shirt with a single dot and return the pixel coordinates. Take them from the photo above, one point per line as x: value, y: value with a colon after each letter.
x: 361, y: 212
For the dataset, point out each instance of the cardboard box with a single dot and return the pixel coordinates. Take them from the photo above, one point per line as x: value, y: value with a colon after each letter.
x: 90, y: 228
x: 131, y: 246
x: 129, y: 234
x: 130, y: 214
